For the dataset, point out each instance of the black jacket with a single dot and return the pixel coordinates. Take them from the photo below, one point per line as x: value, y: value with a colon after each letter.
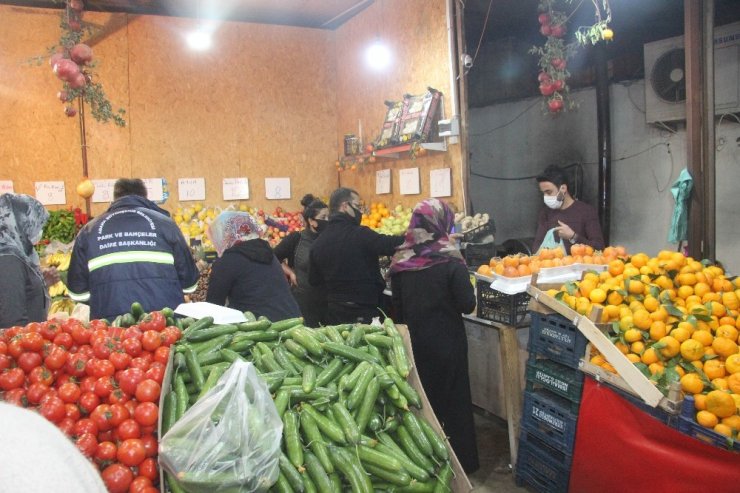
x: 250, y: 277
x: 344, y: 258
x: 132, y: 252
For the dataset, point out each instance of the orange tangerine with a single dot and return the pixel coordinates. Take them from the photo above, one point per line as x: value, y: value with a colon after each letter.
x: 726, y: 331
x: 657, y: 330
x: 597, y: 295
x: 639, y: 259
x: 484, y: 270
x: 723, y: 429
x: 720, y: 404
x: 633, y: 358
x: 649, y: 356
x: 633, y: 335
x: 691, y: 349
x: 706, y: 419
x: 720, y: 384
x: 733, y: 422
x: 724, y: 347
x: 691, y: 383
x: 641, y: 319
x: 703, y: 336
x: 669, y: 346
x: 681, y: 334
x: 714, y: 368
x: 656, y: 368
x: 733, y: 383
x: 635, y: 287
x: 732, y: 364
x: 700, y: 402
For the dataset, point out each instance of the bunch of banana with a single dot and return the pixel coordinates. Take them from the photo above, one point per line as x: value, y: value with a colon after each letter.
x: 62, y: 305
x: 59, y: 260
x: 58, y: 289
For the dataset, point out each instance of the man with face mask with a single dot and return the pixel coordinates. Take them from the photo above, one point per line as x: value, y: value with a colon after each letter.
x: 565, y: 218
x: 344, y: 260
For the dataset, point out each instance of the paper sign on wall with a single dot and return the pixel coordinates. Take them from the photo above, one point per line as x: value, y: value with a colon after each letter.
x: 103, y: 190
x: 440, y: 181
x: 277, y: 188
x: 154, y: 189
x: 236, y: 188
x: 51, y: 192
x: 382, y: 181
x: 6, y: 186
x: 408, y: 180
x: 191, y: 189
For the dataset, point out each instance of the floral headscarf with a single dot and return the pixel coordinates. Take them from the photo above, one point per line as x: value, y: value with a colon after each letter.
x: 426, y: 240
x: 231, y: 227
x: 22, y: 220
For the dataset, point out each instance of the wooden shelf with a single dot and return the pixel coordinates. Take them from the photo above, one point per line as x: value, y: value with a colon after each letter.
x: 395, y: 152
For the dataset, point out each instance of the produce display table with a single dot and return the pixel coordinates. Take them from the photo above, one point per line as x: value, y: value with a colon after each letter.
x: 621, y: 448
x: 497, y: 353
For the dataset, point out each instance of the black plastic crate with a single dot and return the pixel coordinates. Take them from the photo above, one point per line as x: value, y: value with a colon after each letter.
x: 557, y: 458
x: 538, y: 472
x: 479, y: 232
x: 554, y: 377
x: 477, y: 254
x: 688, y: 426
x: 550, y: 418
x: 494, y: 305
x: 555, y: 337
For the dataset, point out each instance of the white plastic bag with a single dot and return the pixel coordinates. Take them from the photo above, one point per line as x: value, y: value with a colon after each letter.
x: 229, y: 441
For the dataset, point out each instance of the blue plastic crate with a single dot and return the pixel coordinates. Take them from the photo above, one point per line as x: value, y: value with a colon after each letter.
x: 563, y: 380
x: 555, y: 337
x: 668, y: 419
x: 539, y: 473
x: 549, y: 417
x: 557, y: 458
x: 688, y: 426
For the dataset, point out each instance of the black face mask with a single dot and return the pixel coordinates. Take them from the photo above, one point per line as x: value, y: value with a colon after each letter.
x: 358, y: 214
x: 320, y: 225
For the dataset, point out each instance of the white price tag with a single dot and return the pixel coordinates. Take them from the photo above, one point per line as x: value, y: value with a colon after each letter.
x: 154, y: 189
x: 103, y: 190
x: 236, y: 188
x: 191, y: 189
x: 277, y: 188
x: 382, y: 181
x: 51, y: 192
x: 6, y: 186
x: 440, y: 181
x: 409, y: 181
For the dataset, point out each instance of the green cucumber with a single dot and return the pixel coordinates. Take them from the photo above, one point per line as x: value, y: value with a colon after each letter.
x: 399, y: 358
x: 438, y: 445
x: 181, y: 397
x: 295, y: 349
x: 414, y: 428
x: 348, y: 352
x: 347, y: 463
x: 414, y: 453
x: 307, y: 340
x: 309, y: 378
x: 254, y: 325
x: 315, y: 441
x: 137, y: 311
x: 355, y: 336
x: 404, y: 387
x: 293, y: 447
x: 346, y: 422
x: 211, y: 381
x: 199, y: 324
x: 196, y: 373
x: 330, y: 372
x: 443, y: 479
x: 286, y: 324
x: 317, y: 473
x: 365, y: 410
x: 169, y: 412
x: 379, y: 340
x: 249, y: 316
x: 397, y: 478
x: 328, y: 427
x: 355, y: 396
x: 282, y: 485
x: 290, y: 472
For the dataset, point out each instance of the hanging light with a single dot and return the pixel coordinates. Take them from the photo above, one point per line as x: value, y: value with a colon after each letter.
x: 200, y: 39
x: 378, y: 55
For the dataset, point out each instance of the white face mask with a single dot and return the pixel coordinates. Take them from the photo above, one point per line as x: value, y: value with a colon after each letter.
x: 553, y: 201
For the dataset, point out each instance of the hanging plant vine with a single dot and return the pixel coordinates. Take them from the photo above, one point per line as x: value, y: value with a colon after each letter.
x: 554, y: 54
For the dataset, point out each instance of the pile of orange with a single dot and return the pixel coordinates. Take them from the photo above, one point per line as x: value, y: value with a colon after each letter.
x: 525, y: 265
x: 676, y: 318
x: 378, y: 211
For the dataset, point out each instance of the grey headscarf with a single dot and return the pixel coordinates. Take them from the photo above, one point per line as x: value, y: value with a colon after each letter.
x: 22, y: 220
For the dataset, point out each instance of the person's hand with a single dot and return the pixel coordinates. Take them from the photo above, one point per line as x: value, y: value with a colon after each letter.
x: 564, y: 231
x: 51, y: 276
x: 289, y: 275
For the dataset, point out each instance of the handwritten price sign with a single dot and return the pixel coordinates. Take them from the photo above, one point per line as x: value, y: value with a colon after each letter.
x: 103, y: 191
x: 6, y: 186
x: 236, y: 188
x: 409, y: 181
x: 382, y: 181
x: 51, y: 192
x: 154, y: 189
x: 277, y: 188
x: 440, y: 182
x: 191, y: 189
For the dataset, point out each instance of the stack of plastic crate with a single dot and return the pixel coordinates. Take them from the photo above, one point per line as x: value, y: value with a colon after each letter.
x: 551, y: 401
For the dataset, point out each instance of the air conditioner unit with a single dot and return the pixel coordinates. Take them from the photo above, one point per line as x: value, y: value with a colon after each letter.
x: 665, y: 82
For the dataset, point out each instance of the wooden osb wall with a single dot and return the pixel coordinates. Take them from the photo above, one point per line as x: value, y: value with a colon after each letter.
x: 266, y: 101
x: 416, y: 33
x: 260, y: 104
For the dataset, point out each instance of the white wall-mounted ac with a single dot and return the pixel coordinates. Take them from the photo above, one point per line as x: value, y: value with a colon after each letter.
x: 665, y: 82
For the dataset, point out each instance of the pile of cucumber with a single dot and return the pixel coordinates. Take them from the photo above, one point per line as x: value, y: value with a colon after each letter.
x: 341, y: 392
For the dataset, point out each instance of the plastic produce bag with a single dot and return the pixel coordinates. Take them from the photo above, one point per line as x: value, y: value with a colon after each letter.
x: 550, y: 241
x: 229, y: 441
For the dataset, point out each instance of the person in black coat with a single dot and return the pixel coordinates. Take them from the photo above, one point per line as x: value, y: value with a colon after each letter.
x: 247, y: 273
x: 293, y: 252
x: 431, y: 290
x: 344, y: 259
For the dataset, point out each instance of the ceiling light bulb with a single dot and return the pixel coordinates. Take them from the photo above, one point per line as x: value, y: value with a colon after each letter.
x: 199, y: 40
x: 378, y: 56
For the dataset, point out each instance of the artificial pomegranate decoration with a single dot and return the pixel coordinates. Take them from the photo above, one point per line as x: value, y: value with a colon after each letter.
x: 81, y: 54
x: 70, y: 111
x: 85, y: 188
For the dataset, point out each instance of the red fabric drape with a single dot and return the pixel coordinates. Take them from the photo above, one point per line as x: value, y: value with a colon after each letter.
x: 620, y: 448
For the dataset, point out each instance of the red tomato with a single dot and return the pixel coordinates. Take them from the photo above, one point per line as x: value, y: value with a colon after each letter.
x: 153, y: 321
x: 106, y: 451
x: 86, y: 425
x: 130, y: 379
x: 87, y: 384
x: 156, y: 372
x: 56, y: 358
x: 129, y: 429
x: 69, y: 392
x: 162, y: 355
x: 64, y: 340
x: 104, y: 368
x: 106, y: 436
x: 139, y: 484
x: 132, y: 332
x: 33, y: 327
x: 102, y: 348
x: 29, y: 361
x: 101, y: 415
x: 87, y: 444
x: 49, y: 330
x: 147, y: 391
x: 146, y: 413
x: 132, y: 347
x: 131, y: 452
x: 150, y: 445
x: 149, y: 489
x: 104, y: 386
x: 80, y: 334
x: 67, y: 426
x: 89, y: 402
x: 97, y: 324
x: 120, y: 360
x: 3, y: 346
x: 131, y: 406
x: 15, y: 348
x: 35, y: 392
x: 16, y: 396
x: 86, y: 351
x: 32, y: 341
x: 53, y: 409
x: 151, y: 340
x: 117, y: 478
x: 40, y: 374
x: 148, y: 430
x: 148, y: 468
x: 75, y: 365
x: 171, y: 335
x: 118, y: 396
x: 12, y: 379
x: 72, y: 412
x: 49, y: 394
x: 5, y: 362
x: 119, y: 414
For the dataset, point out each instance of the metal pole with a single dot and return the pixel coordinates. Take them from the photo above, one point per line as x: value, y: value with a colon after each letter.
x: 708, y: 138
x: 83, y: 146
x: 603, y: 117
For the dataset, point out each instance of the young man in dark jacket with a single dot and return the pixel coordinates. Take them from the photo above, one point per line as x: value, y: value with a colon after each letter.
x: 344, y: 259
x: 132, y: 252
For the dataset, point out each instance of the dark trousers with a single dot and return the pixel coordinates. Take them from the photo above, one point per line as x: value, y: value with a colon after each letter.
x: 347, y: 312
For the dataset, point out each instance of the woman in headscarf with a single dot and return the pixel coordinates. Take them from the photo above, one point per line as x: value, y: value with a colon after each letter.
x: 23, y: 294
x: 294, y: 250
x: 247, y: 275
x: 431, y: 290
